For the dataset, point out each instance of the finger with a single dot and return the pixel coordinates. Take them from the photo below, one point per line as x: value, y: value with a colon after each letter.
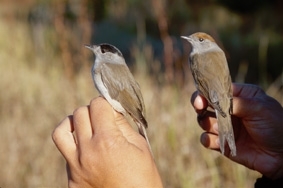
x: 64, y: 139
x: 246, y: 90
x: 252, y: 100
x: 82, y: 126
x: 245, y: 107
x: 193, y: 97
x: 102, y: 116
x: 208, y: 122
x: 123, y: 124
x: 198, y: 102
x: 210, y: 141
x: 245, y: 101
x: 129, y: 133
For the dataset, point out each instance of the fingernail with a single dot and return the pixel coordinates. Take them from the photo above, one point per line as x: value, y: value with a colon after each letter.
x: 204, y: 140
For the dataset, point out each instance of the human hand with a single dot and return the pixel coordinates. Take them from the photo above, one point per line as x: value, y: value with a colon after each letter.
x: 258, y: 127
x: 103, y: 150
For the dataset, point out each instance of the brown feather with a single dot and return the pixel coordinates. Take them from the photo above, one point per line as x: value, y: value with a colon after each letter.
x: 125, y: 90
x: 209, y: 79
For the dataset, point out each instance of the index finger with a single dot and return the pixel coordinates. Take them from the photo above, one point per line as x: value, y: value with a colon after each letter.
x: 64, y: 139
x: 246, y: 90
x: 198, y: 102
x: 245, y: 100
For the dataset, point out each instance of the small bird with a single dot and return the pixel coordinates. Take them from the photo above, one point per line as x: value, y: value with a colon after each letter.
x: 114, y: 81
x: 213, y: 81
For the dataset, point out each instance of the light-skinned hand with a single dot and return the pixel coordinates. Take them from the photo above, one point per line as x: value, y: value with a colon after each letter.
x: 103, y: 150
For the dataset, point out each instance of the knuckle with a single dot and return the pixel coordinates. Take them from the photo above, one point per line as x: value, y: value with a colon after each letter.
x: 79, y: 111
x: 97, y: 101
x: 55, y: 134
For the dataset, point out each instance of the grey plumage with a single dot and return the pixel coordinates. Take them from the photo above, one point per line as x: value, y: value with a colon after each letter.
x: 114, y: 81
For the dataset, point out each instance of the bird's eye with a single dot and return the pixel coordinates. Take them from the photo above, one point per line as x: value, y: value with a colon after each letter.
x: 201, y: 39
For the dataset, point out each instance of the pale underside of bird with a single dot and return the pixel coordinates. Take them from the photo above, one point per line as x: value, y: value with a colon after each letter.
x: 114, y: 81
x: 212, y: 79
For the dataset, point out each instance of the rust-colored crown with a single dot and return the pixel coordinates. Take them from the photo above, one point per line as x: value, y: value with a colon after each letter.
x: 203, y: 35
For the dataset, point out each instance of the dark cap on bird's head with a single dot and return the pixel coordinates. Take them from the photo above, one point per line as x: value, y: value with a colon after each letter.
x: 104, y: 48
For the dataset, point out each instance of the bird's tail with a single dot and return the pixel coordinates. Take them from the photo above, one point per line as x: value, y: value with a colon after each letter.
x: 225, y: 130
x: 142, y: 132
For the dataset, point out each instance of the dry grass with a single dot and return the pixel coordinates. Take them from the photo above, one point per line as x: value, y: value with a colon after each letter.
x: 35, y: 97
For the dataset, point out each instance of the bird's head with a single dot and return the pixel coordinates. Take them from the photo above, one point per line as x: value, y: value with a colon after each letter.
x: 202, y: 42
x: 106, y: 52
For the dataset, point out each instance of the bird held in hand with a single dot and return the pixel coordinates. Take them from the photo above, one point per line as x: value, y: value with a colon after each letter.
x: 115, y: 82
x: 212, y: 79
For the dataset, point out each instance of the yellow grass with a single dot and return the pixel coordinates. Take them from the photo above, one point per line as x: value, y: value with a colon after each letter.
x: 35, y: 96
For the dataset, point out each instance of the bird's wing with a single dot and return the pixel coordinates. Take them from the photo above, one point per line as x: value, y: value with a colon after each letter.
x: 217, y: 83
x: 124, y: 89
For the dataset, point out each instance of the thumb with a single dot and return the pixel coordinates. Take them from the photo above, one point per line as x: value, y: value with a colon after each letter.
x: 106, y: 121
x: 247, y: 99
x: 245, y: 107
x: 128, y: 132
x: 131, y: 135
x: 101, y: 116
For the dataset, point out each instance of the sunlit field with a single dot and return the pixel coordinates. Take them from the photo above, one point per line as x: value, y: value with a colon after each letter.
x: 36, y: 95
x: 38, y: 91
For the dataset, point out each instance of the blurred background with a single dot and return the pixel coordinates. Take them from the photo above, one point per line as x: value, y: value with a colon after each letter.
x: 45, y: 75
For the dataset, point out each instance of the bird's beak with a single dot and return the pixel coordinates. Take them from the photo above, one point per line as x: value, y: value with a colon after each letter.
x: 91, y: 47
x: 186, y: 38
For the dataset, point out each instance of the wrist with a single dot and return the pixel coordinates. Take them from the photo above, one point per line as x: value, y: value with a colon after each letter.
x: 267, y: 182
x: 277, y: 172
